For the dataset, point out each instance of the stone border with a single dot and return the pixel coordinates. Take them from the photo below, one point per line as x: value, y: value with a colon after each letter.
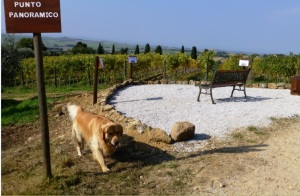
x: 130, y: 124
x: 153, y: 134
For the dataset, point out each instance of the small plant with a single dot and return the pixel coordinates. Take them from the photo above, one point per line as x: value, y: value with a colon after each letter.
x: 252, y: 128
x: 256, y: 130
x: 173, y: 165
x: 238, y: 136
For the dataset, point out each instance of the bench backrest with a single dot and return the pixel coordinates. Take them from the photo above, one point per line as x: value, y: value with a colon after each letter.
x: 230, y: 76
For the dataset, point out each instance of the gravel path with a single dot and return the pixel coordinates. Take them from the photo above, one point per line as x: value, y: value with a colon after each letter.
x: 163, y: 105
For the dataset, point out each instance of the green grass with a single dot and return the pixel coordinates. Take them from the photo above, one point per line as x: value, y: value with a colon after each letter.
x: 26, y: 92
x: 19, y: 105
x: 188, y: 76
x: 19, y: 112
x: 256, y: 130
x: 15, y: 112
x: 238, y: 136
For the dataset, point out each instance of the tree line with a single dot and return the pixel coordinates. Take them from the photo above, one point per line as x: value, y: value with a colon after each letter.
x: 18, y: 67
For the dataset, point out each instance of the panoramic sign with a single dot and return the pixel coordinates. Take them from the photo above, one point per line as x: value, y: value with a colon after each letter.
x: 101, y: 64
x: 244, y: 63
x: 32, y: 16
x: 132, y: 59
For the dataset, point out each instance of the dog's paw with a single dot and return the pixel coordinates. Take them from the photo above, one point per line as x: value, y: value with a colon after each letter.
x: 105, y: 169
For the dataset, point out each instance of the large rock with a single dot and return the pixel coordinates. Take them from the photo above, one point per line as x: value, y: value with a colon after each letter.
x: 108, y: 107
x: 136, y: 125
x: 272, y: 86
x: 192, y: 82
x: 164, y: 81
x: 281, y: 85
x: 159, y: 135
x: 263, y: 85
x: 182, y: 131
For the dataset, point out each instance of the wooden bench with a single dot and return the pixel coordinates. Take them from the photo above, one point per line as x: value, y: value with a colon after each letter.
x: 224, y: 78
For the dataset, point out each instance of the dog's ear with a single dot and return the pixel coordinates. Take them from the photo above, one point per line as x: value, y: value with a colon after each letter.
x: 119, y: 128
x: 104, y: 131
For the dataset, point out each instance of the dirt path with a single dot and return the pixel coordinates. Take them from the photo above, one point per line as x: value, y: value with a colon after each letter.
x: 264, y: 161
x: 271, y: 168
x: 279, y: 171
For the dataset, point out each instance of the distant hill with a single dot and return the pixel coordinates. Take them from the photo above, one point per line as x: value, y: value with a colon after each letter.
x: 66, y: 43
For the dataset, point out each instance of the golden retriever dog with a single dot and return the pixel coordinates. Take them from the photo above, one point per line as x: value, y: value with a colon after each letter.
x: 101, y: 134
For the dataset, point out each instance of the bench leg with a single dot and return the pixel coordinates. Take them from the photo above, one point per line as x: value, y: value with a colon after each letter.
x: 211, y: 96
x: 240, y: 89
x: 200, y: 89
x: 232, y: 91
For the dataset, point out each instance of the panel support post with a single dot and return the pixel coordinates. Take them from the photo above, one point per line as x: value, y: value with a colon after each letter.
x: 37, y: 42
x: 96, y: 80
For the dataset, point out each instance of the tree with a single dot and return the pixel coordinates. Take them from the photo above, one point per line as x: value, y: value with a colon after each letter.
x: 137, y: 50
x: 26, y: 53
x: 182, y: 49
x: 158, y: 50
x: 124, y: 50
x: 206, y: 62
x: 232, y: 62
x: 82, y: 48
x: 10, y: 58
x: 147, y: 48
x: 113, y: 49
x: 28, y: 43
x: 100, y: 49
x: 194, y: 52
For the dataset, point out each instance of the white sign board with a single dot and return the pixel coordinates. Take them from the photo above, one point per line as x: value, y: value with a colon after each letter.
x: 101, y: 65
x: 132, y: 59
x: 244, y: 63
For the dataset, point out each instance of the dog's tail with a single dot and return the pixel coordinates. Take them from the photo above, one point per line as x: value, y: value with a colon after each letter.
x: 73, y: 109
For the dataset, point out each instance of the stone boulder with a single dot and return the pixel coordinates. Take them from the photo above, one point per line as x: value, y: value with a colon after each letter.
x: 192, y: 82
x: 137, y: 125
x: 263, y: 85
x: 182, y: 131
x: 159, y: 135
x: 108, y: 107
x: 164, y: 81
x: 60, y: 109
x: 272, y: 86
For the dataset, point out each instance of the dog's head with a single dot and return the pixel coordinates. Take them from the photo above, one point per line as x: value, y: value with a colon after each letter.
x: 112, y: 134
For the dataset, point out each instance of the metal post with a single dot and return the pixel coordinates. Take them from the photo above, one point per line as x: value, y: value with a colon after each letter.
x: 164, y: 69
x: 55, y: 77
x: 37, y: 42
x: 124, y: 65
x: 96, y: 80
x: 130, y: 71
x: 206, y: 75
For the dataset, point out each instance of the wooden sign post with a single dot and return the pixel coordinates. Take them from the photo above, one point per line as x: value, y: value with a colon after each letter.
x: 36, y: 16
x: 98, y: 64
x: 132, y: 60
x: 243, y: 63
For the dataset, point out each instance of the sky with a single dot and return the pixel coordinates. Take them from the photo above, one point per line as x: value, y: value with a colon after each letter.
x: 257, y: 26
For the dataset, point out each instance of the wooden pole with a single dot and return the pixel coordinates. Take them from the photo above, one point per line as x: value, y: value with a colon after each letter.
x: 124, y: 67
x: 164, y: 69
x: 37, y: 42
x: 130, y: 71
x: 55, y: 76
x: 96, y: 80
x: 206, y: 75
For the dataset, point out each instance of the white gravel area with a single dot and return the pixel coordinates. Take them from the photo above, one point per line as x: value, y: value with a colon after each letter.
x: 162, y: 105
